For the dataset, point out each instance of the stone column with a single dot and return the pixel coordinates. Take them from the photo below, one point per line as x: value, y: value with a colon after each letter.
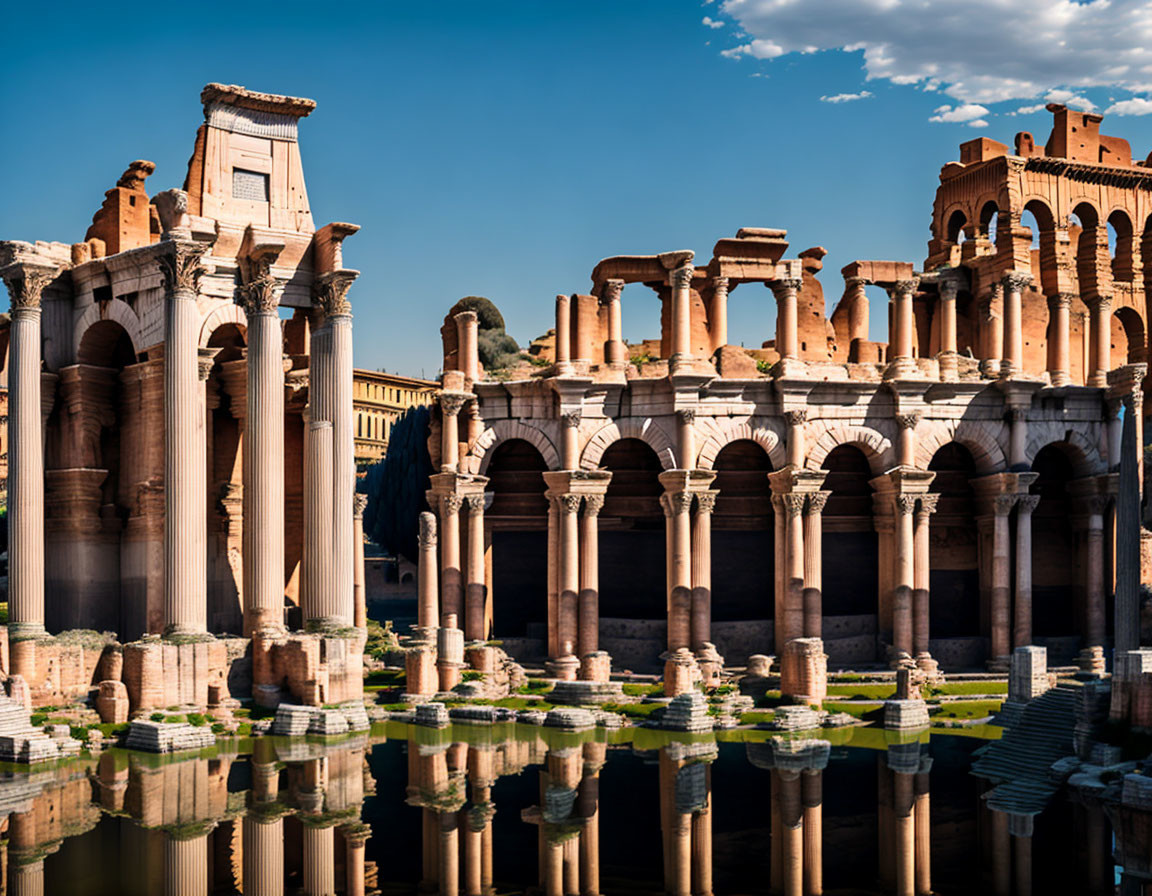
x: 1001, y: 586
x: 905, y: 829
x: 26, y: 285
x: 320, y: 607
x: 779, y: 585
x: 702, y: 842
x: 588, y: 640
x: 451, y: 403
x: 1001, y: 855
x: 718, y: 312
x: 185, y: 513
x: 428, y: 600
x: 563, y: 350
x: 907, y: 438
x: 1100, y: 334
x: 923, y: 809
x: 1017, y: 437
x: 263, y: 493
x: 1094, y: 575
x: 570, y: 440
x: 814, y: 564
x: 467, y: 345
x: 185, y: 865
x: 858, y: 309
x: 680, y: 279
x: 679, y: 522
x: 568, y: 580
x: 787, y: 337
x: 947, y: 356
x: 359, y: 594
x: 263, y: 857
x: 319, y: 865
x: 812, y: 795
x: 449, y: 851
x: 355, y: 838
x: 921, y: 599
x: 791, y: 832
x: 475, y: 588
x: 1012, y: 363
x: 900, y: 358
x: 615, y: 352
x: 793, y: 620
x: 775, y: 824
x: 902, y: 639
x: 701, y: 562
x: 1059, y: 307
x: 991, y: 309
x: 1022, y: 630
x: 451, y: 589
x: 686, y: 438
x: 795, y: 447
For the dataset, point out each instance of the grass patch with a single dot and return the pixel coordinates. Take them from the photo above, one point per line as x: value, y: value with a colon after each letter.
x: 967, y: 709
x: 521, y: 703
x: 635, y: 710
x: 958, y: 688
x: 884, y: 690
x: 386, y: 677
x: 857, y: 710
x: 756, y: 717
x: 535, y: 686
x: 635, y: 689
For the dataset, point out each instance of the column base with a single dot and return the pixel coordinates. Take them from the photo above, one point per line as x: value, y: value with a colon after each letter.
x: 901, y: 369
x: 926, y: 664
x: 263, y: 620
x: 186, y: 634
x: 326, y: 624
x: 565, y: 668
x: 990, y: 367
x: 1001, y: 665
x: 26, y: 631
x: 1091, y: 662
x: 949, y: 366
x: 596, y: 666
x: 1059, y: 378
x: 1098, y: 380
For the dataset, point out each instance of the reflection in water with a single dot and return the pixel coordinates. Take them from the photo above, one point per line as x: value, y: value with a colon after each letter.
x: 477, y: 809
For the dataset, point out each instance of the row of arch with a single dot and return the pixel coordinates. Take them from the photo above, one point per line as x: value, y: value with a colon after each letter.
x: 93, y: 327
x: 982, y: 439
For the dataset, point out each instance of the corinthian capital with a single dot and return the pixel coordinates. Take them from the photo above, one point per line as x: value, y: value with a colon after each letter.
x: 794, y: 503
x: 611, y: 291
x: 359, y: 503
x: 908, y: 421
x: 593, y: 504
x: 1015, y: 281
x: 681, y: 277
x: 261, y: 296
x: 452, y: 402
x: 1060, y: 300
x: 904, y: 287
x: 928, y: 503
x: 26, y: 282
x: 705, y: 502
x: 330, y: 291
x: 180, y: 265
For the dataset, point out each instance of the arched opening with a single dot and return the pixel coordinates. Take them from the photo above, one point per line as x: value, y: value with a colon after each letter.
x: 1127, y: 338
x: 955, y: 230
x: 226, y: 396
x: 989, y: 222
x: 1121, y: 246
x: 1056, y: 570
x: 89, y: 484
x: 633, y: 578
x: 1090, y: 243
x: 954, y: 577
x: 518, y: 521
x: 743, y: 543
x: 850, y: 576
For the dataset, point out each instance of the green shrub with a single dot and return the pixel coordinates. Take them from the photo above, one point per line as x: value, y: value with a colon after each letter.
x: 157, y: 717
x: 197, y: 719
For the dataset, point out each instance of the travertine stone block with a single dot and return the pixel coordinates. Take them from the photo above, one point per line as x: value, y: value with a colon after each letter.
x: 112, y: 702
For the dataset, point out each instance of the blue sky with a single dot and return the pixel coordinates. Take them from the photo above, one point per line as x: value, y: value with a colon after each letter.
x: 503, y: 148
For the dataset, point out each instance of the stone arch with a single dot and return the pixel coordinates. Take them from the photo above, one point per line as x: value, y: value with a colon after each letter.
x: 956, y: 220
x: 724, y: 431
x: 225, y: 314
x: 981, y: 438
x: 643, y: 428
x: 1081, y: 448
x: 117, y: 310
x: 480, y: 453
x: 876, y: 446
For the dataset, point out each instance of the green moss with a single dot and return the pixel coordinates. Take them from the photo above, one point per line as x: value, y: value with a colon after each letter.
x: 635, y: 710
x: 635, y: 689
x: 110, y: 729
x: 536, y: 686
x: 859, y: 710
x: 522, y: 703
x: 756, y: 717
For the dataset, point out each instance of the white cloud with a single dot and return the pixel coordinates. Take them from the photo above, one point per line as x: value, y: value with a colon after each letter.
x: 978, y: 123
x: 1135, y: 106
x: 1069, y: 98
x: 846, y: 97
x: 966, y: 112
x: 1027, y: 110
x: 711, y: 22
x: 976, y: 52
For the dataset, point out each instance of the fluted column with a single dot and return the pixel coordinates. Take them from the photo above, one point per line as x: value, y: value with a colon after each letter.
x: 814, y: 564
x: 1001, y: 855
x: 588, y: 640
x: 947, y: 356
x: 900, y: 357
x: 263, y: 493
x: 569, y: 575
x: 680, y: 279
x: 185, y: 514
x: 451, y: 404
x: 26, y: 285
x: 701, y: 562
x: 615, y: 352
x: 475, y: 587
x: 263, y: 856
x: 679, y: 522
x: 319, y: 605
x: 921, y: 599
x: 27, y: 878
x: 1001, y: 583
x: 787, y: 334
x: 796, y: 447
x: 1022, y: 630
x: 702, y: 842
x: 1100, y: 333
x: 319, y: 865
x: 428, y: 601
x: 718, y: 313
x: 355, y: 839
x: 186, y: 865
x: 449, y: 851
x: 359, y: 593
x: 905, y: 506
x: 451, y: 587
x: 1012, y: 363
x: 1059, y: 309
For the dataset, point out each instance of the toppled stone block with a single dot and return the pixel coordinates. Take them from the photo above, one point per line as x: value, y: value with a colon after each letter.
x: 167, y: 737
x: 292, y: 720
x: 905, y: 715
x: 570, y: 719
x: 795, y: 718
x: 585, y: 693
x: 432, y: 715
x: 328, y: 722
x: 112, y: 702
x: 687, y: 712
x: 1028, y: 677
x: 481, y: 714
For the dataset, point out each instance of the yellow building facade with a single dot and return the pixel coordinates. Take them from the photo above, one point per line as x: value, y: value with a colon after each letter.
x: 378, y: 400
